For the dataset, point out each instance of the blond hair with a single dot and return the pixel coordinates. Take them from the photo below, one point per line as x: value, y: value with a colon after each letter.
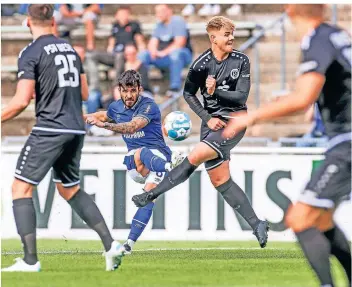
x: 218, y: 22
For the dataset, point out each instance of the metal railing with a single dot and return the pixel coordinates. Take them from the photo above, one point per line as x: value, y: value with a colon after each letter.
x: 253, y: 43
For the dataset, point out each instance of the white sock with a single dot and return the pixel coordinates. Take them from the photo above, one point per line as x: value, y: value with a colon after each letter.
x: 130, y: 242
x: 168, y: 166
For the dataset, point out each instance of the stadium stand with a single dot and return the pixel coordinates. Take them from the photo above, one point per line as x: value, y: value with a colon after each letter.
x: 15, y: 37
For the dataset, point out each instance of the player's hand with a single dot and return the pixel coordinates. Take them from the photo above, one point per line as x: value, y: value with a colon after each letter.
x: 216, y: 124
x: 210, y: 84
x: 238, y: 123
x: 92, y: 120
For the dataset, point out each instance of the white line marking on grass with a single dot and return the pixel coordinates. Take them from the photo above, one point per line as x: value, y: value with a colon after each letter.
x: 149, y: 250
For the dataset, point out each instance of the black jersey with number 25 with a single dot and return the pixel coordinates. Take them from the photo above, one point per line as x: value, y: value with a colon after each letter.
x: 56, y: 68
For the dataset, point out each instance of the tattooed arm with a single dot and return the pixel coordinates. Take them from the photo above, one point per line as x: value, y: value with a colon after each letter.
x: 131, y: 127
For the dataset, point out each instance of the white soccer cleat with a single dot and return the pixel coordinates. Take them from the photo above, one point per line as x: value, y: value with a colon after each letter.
x: 21, y: 266
x: 176, y: 158
x: 113, y: 257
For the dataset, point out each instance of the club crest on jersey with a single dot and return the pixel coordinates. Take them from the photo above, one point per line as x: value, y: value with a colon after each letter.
x: 234, y: 74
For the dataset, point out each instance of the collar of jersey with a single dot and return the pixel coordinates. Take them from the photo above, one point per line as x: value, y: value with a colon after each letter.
x: 216, y: 60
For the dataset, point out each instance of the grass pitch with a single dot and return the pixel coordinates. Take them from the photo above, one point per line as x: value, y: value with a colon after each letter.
x: 80, y: 264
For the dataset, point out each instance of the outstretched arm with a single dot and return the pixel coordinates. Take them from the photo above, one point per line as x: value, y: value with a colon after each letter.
x: 22, y: 98
x: 308, y: 88
x: 131, y: 127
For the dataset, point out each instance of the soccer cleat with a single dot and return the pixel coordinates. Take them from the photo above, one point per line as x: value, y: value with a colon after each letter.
x: 176, y: 158
x: 128, y: 245
x: 141, y: 200
x: 21, y: 266
x: 113, y: 257
x: 261, y: 232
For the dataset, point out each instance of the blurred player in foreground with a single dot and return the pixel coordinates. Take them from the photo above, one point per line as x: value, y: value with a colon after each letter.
x: 138, y: 119
x: 51, y: 67
x: 223, y: 76
x: 324, y: 76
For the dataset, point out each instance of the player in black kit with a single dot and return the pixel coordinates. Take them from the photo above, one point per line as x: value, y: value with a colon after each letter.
x: 51, y: 67
x: 325, y: 77
x: 223, y: 76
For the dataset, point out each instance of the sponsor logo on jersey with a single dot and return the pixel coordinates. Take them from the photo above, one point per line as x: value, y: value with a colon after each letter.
x: 147, y: 110
x: 136, y: 135
x: 234, y: 74
x: 224, y: 87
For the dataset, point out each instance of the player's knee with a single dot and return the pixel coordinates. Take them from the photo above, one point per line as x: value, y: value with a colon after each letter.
x: 326, y: 221
x: 300, y: 218
x: 21, y: 189
x: 201, y: 153
x: 218, y: 179
x: 137, y: 160
x: 67, y: 192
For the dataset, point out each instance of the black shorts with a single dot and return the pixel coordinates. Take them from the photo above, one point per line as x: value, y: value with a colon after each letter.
x: 45, y: 150
x: 331, y: 182
x: 215, y: 140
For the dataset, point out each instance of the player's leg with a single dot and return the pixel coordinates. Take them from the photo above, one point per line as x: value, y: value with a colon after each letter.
x: 201, y: 153
x: 311, y: 221
x: 142, y: 216
x: 340, y: 246
x: 237, y: 199
x: 66, y: 176
x: 35, y: 160
x: 301, y: 218
x: 145, y: 158
x: 219, y: 172
x: 25, y: 219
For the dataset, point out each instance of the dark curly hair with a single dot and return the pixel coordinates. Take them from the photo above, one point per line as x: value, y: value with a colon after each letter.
x: 130, y: 78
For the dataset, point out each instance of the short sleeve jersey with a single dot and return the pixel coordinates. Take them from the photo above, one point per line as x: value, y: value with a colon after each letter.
x: 166, y: 33
x: 125, y: 34
x: 56, y: 69
x: 327, y: 51
x: 151, y: 135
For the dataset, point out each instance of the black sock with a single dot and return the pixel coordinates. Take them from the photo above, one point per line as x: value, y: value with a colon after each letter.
x: 86, y: 208
x: 25, y: 218
x: 317, y: 250
x: 176, y: 176
x: 238, y: 200
x: 340, y: 248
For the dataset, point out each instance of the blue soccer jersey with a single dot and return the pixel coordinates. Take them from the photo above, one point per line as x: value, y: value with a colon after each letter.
x: 151, y: 135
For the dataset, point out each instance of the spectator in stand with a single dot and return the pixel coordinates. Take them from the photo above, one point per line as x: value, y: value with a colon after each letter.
x: 211, y: 10
x: 169, y: 47
x: 133, y: 63
x: 124, y: 31
x: 206, y: 10
x: 72, y: 15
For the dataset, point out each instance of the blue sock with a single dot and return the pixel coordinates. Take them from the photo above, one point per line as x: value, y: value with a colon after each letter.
x: 152, y: 161
x: 140, y: 221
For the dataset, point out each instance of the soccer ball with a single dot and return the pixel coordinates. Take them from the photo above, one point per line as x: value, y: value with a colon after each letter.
x: 177, y: 126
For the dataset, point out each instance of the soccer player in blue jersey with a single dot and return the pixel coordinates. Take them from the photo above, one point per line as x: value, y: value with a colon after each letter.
x: 138, y: 119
